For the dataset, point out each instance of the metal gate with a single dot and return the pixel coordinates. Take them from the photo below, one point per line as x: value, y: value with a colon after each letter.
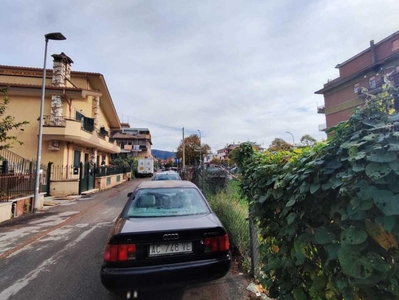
x: 86, y: 177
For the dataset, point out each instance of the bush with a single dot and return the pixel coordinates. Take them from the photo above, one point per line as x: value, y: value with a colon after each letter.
x: 329, y: 215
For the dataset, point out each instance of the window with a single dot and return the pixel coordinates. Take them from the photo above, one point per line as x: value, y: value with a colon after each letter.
x: 167, y: 202
x: 395, y: 45
x: 356, y: 88
x: 79, y: 116
x: 372, y: 82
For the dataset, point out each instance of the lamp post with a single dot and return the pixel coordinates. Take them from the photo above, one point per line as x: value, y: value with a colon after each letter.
x: 57, y: 36
x: 293, y: 143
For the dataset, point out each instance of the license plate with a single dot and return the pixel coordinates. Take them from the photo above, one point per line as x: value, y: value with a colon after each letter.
x: 163, y: 249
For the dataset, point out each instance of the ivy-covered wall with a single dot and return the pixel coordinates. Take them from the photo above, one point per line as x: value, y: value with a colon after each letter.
x: 329, y: 215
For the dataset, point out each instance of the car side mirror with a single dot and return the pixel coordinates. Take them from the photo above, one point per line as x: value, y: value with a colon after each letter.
x: 129, y: 194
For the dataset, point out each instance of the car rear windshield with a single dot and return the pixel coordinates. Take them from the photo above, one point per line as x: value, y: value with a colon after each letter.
x: 166, y: 202
x: 167, y: 177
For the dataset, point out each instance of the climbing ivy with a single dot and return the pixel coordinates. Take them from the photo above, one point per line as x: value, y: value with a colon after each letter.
x: 329, y: 214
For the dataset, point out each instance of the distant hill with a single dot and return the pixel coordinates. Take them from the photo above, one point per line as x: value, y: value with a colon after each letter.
x: 163, y: 154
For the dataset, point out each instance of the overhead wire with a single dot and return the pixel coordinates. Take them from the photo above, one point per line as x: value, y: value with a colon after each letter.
x: 158, y: 124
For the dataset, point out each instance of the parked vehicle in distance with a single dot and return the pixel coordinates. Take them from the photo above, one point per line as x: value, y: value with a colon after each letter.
x: 145, y: 167
x: 166, y: 235
x: 168, y: 175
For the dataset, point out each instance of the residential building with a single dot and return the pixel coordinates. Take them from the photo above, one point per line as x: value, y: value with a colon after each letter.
x: 209, y: 157
x: 364, y: 70
x: 78, y: 114
x: 223, y: 153
x: 134, y: 142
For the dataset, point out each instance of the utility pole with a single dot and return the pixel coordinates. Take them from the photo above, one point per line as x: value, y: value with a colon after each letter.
x: 184, y: 152
x: 201, y: 165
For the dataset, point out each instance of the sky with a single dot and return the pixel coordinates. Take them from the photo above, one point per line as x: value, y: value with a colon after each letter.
x: 231, y: 71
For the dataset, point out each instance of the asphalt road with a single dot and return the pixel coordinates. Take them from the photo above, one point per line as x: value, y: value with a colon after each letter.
x: 57, y: 254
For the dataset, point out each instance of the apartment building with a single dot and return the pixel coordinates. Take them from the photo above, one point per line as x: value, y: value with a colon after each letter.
x: 223, y: 153
x: 363, y: 70
x: 134, y: 142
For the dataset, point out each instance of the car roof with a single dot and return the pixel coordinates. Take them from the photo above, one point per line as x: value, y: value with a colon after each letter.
x: 166, y: 184
x: 167, y: 172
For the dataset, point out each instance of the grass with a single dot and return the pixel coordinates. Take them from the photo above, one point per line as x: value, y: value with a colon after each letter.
x: 232, y: 211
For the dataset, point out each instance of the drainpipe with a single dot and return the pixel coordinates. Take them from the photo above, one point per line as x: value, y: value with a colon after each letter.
x: 67, y: 162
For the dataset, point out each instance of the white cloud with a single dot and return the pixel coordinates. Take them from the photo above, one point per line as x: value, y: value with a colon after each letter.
x: 237, y: 70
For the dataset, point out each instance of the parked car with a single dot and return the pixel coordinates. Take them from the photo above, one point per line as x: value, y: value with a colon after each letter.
x: 166, y: 235
x: 168, y: 175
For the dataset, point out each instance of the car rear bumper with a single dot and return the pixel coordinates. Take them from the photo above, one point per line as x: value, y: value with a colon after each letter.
x: 122, y: 279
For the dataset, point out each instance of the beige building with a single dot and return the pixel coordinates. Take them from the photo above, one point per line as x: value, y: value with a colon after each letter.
x: 78, y: 113
x: 135, y: 142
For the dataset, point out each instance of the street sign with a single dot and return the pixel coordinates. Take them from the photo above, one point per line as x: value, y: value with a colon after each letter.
x: 177, y: 160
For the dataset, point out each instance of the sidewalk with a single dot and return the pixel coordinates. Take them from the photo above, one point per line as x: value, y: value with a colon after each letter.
x: 21, y: 231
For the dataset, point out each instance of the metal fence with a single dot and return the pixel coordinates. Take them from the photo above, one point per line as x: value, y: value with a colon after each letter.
x: 110, y: 170
x: 17, y: 176
x: 222, y: 191
x: 15, y: 186
x: 13, y: 163
x: 64, y: 172
x: 256, y: 260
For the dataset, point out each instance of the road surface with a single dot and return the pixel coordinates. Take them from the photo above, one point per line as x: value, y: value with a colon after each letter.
x: 57, y: 253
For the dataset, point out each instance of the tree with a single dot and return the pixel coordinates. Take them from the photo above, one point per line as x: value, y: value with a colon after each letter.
x: 279, y: 145
x: 240, y: 154
x: 7, y: 123
x: 308, y: 140
x: 192, y: 149
x: 216, y: 161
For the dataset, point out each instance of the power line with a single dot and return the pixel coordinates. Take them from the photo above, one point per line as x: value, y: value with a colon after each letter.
x: 158, y: 124
x: 151, y: 122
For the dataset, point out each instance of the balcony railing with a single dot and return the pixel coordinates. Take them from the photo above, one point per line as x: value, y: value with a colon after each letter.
x: 377, y: 88
x: 87, y: 124
x: 54, y: 121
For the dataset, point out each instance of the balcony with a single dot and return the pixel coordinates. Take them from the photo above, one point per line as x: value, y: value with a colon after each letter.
x: 377, y: 88
x: 61, y: 128
x: 321, y: 109
x: 322, y: 127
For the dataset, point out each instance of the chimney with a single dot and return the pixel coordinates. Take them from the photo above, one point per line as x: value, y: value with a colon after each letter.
x: 61, y: 69
x: 372, y: 48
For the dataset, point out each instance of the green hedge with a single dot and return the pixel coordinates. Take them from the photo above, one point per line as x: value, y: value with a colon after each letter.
x: 329, y: 215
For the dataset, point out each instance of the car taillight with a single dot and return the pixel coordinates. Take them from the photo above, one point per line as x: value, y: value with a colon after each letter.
x: 121, y: 252
x: 215, y: 244
x: 224, y: 244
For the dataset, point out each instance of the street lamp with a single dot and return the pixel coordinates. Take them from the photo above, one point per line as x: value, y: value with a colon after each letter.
x: 57, y: 36
x: 293, y: 143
